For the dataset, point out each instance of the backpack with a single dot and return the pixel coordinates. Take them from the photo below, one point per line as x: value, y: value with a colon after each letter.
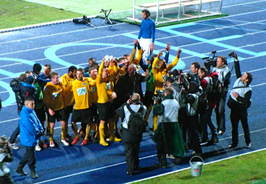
x: 216, y: 89
x: 202, y: 103
x: 136, y: 123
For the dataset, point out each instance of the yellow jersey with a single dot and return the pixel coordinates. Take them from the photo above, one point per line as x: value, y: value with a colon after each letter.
x: 161, y: 74
x: 81, y: 91
x: 67, y: 84
x: 53, y: 96
x: 103, y: 87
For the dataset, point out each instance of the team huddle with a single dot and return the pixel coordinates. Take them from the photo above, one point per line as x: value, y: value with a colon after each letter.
x: 99, y: 94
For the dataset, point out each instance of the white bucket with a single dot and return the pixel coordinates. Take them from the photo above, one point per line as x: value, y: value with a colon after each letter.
x: 196, y: 166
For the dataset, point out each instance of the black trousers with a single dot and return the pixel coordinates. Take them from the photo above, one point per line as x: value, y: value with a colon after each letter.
x: 6, y: 179
x: 161, y: 153
x: 14, y: 135
x: 29, y: 157
x: 235, y: 116
x: 193, y: 134
x: 220, y: 113
x: 132, y: 156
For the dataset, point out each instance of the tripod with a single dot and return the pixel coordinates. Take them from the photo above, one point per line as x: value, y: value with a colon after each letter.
x: 106, y: 16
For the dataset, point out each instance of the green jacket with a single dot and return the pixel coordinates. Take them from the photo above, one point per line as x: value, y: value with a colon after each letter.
x: 169, y: 135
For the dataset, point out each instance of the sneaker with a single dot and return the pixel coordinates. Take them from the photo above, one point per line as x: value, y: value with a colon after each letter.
x: 14, y: 147
x: 232, y: 146
x: 38, y: 148
x: 75, y: 140
x: 203, y: 143
x: 220, y: 132
x: 64, y: 142
x: 20, y: 171
x: 33, y: 174
x: 52, y: 145
x: 84, y: 142
x: 45, y: 145
x: 248, y: 145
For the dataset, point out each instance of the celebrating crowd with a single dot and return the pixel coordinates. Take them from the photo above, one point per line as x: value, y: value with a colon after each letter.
x: 98, y: 95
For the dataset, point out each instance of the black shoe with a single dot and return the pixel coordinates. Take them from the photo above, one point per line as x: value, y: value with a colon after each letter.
x: 33, y: 174
x: 160, y: 166
x: 20, y: 171
x: 232, y: 146
x: 130, y: 173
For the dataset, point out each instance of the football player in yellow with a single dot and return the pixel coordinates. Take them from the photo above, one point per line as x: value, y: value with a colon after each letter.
x: 53, y: 97
x: 105, y: 96
x: 67, y: 80
x: 94, y: 97
x: 160, y: 71
x: 82, y: 112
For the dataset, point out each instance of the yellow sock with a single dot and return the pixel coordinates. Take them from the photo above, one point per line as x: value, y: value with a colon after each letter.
x: 155, y: 119
x: 101, y: 131
x: 63, y: 133
x: 148, y: 113
x: 88, y: 130
x: 75, y: 130
x: 51, y: 135
x: 112, y: 136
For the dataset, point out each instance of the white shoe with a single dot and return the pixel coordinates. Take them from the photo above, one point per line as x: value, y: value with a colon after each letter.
x: 52, y: 144
x: 14, y: 147
x: 64, y: 142
x: 248, y: 145
x: 38, y: 148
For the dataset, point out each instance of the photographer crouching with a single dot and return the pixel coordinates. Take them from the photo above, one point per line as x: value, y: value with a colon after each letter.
x: 168, y: 134
x: 6, y: 155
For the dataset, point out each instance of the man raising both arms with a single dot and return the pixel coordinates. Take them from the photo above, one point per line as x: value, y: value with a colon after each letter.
x: 147, y: 34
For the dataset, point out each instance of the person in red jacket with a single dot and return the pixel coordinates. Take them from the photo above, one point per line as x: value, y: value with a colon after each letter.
x: 205, y: 118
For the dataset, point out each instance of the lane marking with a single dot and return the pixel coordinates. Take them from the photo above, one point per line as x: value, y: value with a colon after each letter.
x: 121, y: 163
x: 172, y: 172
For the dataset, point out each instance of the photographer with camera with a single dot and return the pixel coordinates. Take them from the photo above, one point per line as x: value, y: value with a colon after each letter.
x: 224, y: 76
x: 160, y: 71
x: 133, y: 125
x: 31, y: 130
x: 6, y: 155
x: 205, y: 117
x: 168, y: 134
x: 195, y: 66
x: 239, y: 101
x: 191, y: 99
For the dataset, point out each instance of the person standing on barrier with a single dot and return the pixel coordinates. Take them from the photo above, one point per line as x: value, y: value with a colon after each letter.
x: 239, y: 101
x: 133, y: 124
x: 168, y: 136
x: 147, y: 34
x: 224, y: 76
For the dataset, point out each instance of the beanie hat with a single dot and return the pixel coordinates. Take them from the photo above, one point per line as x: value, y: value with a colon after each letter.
x: 30, y: 79
x: 37, y: 67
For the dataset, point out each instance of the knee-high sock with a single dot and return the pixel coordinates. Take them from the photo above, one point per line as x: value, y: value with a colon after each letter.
x: 101, y: 131
x: 51, y: 135
x: 148, y: 113
x: 88, y: 130
x: 63, y: 133
x: 155, y: 119
x: 75, y: 130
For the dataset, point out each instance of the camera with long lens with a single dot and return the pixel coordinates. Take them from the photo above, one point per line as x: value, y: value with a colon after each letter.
x: 232, y: 54
x: 185, y: 77
x: 3, y: 144
x: 210, y: 61
x: 159, y: 97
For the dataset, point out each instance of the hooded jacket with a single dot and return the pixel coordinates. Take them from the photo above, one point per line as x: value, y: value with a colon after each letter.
x: 30, y: 127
